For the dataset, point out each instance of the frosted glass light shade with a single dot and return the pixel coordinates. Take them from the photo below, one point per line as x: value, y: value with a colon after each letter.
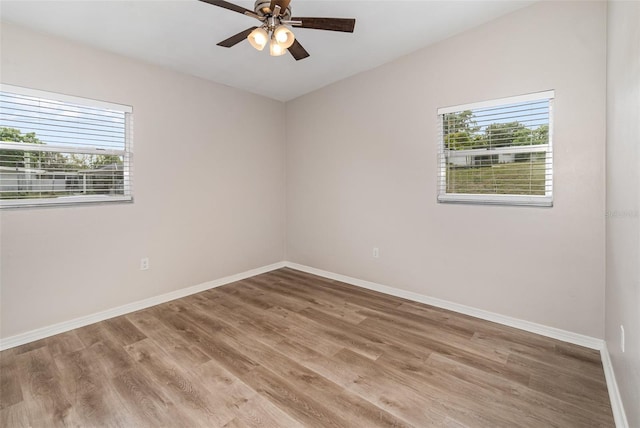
x: 258, y: 38
x: 275, y: 49
x: 284, y: 36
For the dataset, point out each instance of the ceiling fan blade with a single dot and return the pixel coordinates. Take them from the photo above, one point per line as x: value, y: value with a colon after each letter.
x: 334, y: 24
x: 284, y: 4
x: 230, y: 6
x: 234, y: 40
x: 297, y: 51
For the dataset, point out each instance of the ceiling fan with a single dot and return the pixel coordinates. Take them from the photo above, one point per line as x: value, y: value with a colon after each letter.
x: 275, y: 16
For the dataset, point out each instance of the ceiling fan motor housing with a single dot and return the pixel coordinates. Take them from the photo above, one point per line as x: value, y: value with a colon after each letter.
x: 263, y: 8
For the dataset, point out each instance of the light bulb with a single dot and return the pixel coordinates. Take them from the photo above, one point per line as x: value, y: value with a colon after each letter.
x: 258, y: 38
x: 284, y: 36
x: 275, y: 49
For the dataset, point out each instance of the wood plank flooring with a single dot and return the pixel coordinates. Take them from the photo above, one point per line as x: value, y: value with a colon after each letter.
x: 287, y: 349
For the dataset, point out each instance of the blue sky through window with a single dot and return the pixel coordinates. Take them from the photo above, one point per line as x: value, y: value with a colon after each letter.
x: 63, y: 124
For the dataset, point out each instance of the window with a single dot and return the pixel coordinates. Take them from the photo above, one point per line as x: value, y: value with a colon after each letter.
x: 497, y: 152
x: 57, y: 149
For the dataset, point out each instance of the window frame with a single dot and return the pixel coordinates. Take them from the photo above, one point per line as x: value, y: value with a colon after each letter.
x: 545, y: 200
x: 126, y: 152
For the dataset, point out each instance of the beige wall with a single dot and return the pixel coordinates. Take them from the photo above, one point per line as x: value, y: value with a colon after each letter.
x: 361, y: 173
x: 209, y: 189
x: 623, y: 200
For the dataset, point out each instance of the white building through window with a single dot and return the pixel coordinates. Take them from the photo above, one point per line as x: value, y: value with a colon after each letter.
x: 498, y: 151
x: 59, y: 149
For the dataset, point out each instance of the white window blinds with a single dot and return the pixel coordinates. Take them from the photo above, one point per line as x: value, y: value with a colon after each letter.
x: 498, y: 151
x: 57, y: 149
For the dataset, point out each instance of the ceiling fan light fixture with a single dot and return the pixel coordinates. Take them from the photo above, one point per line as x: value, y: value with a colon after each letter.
x: 276, y: 49
x: 258, y: 38
x: 284, y: 37
x: 274, y: 17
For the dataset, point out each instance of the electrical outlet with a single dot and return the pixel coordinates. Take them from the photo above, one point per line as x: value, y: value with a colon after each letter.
x: 376, y: 252
x: 144, y: 263
x: 622, y: 338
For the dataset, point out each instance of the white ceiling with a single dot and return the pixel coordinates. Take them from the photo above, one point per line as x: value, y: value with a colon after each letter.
x: 182, y: 35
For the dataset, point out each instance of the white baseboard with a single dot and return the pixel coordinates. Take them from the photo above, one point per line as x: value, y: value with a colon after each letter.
x: 41, y: 333
x: 614, y: 393
x: 555, y: 333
